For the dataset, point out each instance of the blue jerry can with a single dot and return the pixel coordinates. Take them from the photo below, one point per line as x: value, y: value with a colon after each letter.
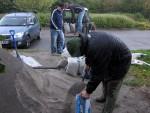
x: 82, y: 105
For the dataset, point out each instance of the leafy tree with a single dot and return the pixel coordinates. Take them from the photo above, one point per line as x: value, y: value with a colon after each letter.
x: 34, y: 5
x: 7, y: 5
x: 146, y: 7
x: 132, y: 6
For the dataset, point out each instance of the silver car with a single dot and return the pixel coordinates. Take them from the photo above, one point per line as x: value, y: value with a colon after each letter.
x: 26, y: 26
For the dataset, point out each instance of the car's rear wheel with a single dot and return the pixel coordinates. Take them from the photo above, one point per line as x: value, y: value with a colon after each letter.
x: 28, y: 42
x: 38, y: 37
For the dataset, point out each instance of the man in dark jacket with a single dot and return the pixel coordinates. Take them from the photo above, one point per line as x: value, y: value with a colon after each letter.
x: 108, y: 59
x: 56, y: 29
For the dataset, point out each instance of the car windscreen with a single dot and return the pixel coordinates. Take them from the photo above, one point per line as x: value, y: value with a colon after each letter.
x: 13, y: 21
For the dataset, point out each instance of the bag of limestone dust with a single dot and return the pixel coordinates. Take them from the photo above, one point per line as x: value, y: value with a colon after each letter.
x: 75, y: 66
x: 67, y: 27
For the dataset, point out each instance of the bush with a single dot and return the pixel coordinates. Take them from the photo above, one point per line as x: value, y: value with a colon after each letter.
x: 136, y: 16
x: 143, y: 25
x: 108, y: 20
x: 44, y: 19
x: 113, y: 21
x: 140, y: 74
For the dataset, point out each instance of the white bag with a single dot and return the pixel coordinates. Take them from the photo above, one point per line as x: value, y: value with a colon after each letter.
x: 65, y: 53
x: 72, y: 28
x: 66, y: 27
x: 75, y: 65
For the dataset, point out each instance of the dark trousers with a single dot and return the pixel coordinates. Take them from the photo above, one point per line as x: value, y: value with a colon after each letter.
x: 110, y: 92
x: 111, y: 87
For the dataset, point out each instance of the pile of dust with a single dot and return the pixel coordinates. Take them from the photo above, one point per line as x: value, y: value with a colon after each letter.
x: 24, y: 90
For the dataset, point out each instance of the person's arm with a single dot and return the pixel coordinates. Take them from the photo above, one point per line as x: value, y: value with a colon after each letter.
x: 93, y: 83
x: 53, y: 17
x: 99, y: 64
x: 59, y: 21
x: 87, y: 67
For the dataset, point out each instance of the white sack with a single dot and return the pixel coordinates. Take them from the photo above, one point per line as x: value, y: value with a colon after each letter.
x: 75, y: 65
x: 66, y: 27
x: 65, y: 53
x: 72, y: 28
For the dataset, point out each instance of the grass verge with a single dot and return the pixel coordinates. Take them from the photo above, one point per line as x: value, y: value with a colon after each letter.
x: 119, y: 20
x: 139, y: 75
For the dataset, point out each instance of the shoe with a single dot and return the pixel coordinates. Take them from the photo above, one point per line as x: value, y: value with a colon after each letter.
x: 100, y: 99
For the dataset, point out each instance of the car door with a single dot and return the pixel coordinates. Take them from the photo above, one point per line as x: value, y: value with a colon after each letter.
x: 36, y: 27
x: 31, y: 24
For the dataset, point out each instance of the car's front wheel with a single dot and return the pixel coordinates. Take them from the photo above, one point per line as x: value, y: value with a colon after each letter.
x: 28, y: 42
x: 38, y: 38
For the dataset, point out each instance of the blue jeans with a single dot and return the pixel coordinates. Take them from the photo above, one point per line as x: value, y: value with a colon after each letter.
x: 57, y: 41
x: 79, y: 21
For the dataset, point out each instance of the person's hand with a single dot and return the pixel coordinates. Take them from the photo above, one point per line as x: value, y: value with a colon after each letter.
x: 86, y: 73
x: 84, y: 94
x: 87, y: 68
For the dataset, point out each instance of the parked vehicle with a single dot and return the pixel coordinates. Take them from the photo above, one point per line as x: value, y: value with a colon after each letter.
x: 26, y: 26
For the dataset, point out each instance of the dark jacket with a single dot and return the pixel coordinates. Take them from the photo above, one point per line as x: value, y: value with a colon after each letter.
x: 108, y: 57
x: 56, y: 20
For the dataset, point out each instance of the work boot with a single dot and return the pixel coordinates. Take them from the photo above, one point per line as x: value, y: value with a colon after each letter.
x: 100, y: 99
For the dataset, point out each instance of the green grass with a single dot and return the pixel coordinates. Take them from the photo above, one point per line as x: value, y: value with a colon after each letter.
x: 113, y: 21
x: 119, y: 20
x: 108, y: 20
x: 140, y: 74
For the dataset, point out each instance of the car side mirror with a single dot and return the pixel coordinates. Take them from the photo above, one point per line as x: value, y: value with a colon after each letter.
x: 31, y: 23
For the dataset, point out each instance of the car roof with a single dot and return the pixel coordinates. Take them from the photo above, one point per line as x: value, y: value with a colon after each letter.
x: 21, y: 14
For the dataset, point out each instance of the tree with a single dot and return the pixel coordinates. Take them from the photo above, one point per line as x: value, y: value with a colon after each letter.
x: 7, y: 5
x: 34, y: 5
x: 146, y: 7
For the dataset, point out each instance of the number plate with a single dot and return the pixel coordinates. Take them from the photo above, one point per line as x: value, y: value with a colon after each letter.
x: 4, y: 42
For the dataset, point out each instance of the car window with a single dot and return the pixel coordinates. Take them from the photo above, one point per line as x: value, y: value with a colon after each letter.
x: 13, y: 21
x: 35, y: 20
x: 30, y: 20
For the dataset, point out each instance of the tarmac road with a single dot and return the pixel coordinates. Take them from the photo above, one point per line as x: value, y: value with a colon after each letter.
x: 135, y: 39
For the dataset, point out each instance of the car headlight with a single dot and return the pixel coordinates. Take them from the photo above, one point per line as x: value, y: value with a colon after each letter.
x: 19, y: 35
